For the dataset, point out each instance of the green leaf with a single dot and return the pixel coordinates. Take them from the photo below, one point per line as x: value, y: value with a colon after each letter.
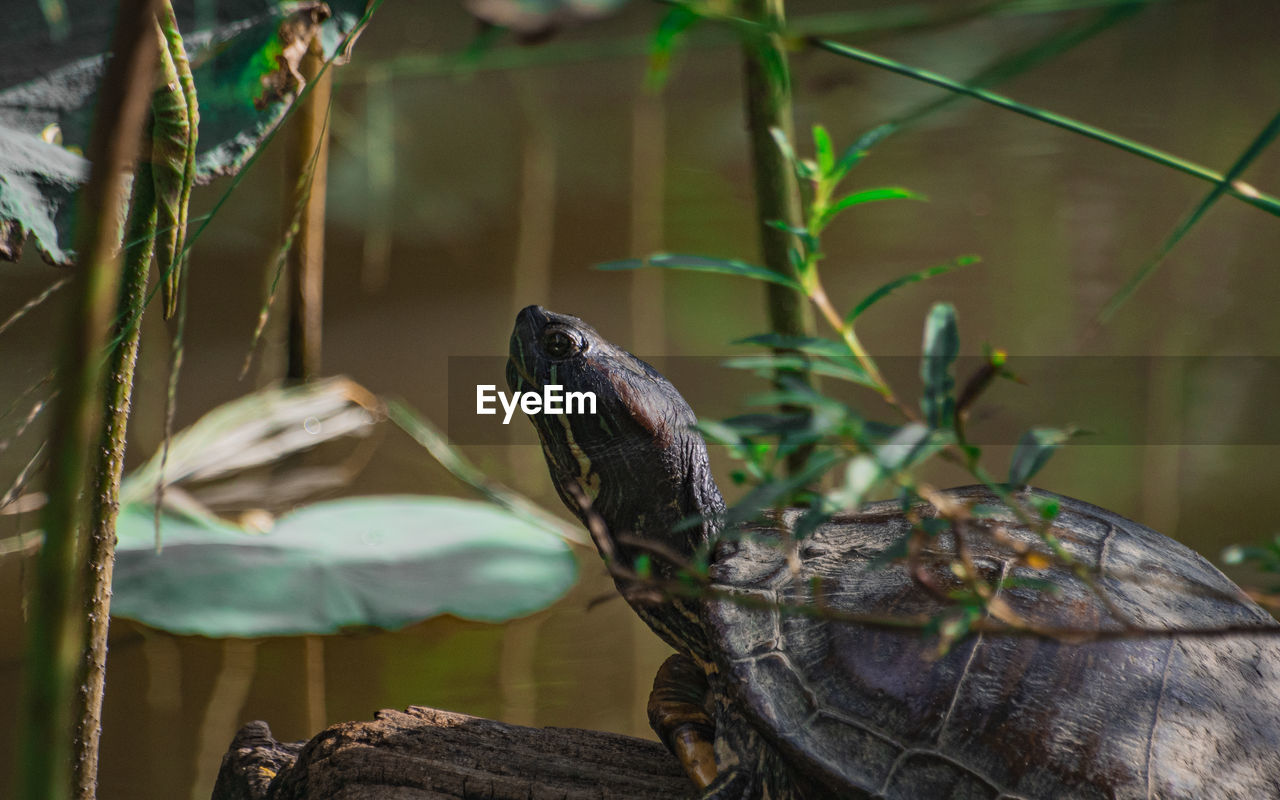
x: 861, y: 475
x: 867, y: 196
x: 911, y: 444
x: 726, y: 266
x: 805, y: 344
x: 37, y: 183
x: 849, y: 371
x: 719, y: 433
x: 803, y: 170
x: 1033, y: 452
x: 677, y: 21
x: 253, y: 431
x: 856, y: 151
x: 770, y: 494
x: 915, y: 277
x: 1255, y: 148
x: 823, y: 150
x: 371, y: 561
x: 1250, y: 195
x: 55, y: 89
x: 941, y: 346
x: 437, y: 444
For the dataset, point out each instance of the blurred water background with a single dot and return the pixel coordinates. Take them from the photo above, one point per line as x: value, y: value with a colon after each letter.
x: 454, y: 200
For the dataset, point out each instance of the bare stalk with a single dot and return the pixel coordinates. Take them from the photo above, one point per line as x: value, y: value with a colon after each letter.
x: 309, y: 153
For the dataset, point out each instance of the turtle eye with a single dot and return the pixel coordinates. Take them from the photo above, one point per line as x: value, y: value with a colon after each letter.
x: 558, y: 344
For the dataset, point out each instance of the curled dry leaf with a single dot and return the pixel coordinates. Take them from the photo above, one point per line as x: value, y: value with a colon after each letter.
x: 296, y: 32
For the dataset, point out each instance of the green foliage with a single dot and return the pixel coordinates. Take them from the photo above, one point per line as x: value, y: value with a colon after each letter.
x: 1255, y: 149
x: 941, y: 347
x: 371, y: 561
x: 889, y: 288
x: 830, y: 436
x: 1033, y: 451
x: 1245, y: 194
x: 244, y: 92
x: 1264, y: 557
x: 725, y: 266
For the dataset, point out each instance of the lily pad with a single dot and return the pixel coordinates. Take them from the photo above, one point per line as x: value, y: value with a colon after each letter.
x: 375, y: 561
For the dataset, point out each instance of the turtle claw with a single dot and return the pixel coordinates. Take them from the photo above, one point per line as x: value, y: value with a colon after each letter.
x: 734, y: 784
x: 678, y: 714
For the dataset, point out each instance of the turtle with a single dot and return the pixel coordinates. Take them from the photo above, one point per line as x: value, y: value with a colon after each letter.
x: 1173, y: 691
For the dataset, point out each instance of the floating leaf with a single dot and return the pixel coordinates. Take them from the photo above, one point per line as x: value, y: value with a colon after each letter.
x: 372, y: 561
x: 941, y: 346
x: 915, y: 277
x: 726, y: 266
x: 438, y: 445
x: 1033, y: 451
x: 255, y: 430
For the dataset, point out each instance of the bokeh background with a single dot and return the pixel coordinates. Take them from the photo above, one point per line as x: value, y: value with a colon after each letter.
x: 457, y: 196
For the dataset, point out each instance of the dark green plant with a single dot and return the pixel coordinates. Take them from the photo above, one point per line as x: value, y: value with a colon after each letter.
x: 873, y: 455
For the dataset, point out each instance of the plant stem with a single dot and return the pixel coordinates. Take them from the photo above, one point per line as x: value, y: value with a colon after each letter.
x: 140, y: 245
x: 819, y: 297
x: 768, y: 89
x: 56, y: 622
x: 768, y: 103
x: 1238, y: 189
x: 310, y: 151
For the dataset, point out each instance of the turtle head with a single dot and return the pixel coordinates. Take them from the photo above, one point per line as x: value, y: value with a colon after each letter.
x: 632, y: 449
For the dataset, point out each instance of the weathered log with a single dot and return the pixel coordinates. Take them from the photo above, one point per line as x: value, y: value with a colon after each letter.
x: 427, y: 754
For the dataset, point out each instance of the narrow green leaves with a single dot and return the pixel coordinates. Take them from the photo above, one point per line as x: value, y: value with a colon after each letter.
x: 941, y: 346
x: 175, y: 117
x: 1033, y: 452
x: 805, y: 344
x: 1248, y: 195
x: 897, y: 283
x: 823, y: 149
x: 690, y: 263
x: 847, y: 370
x: 805, y: 170
x: 866, y: 196
x: 675, y: 24
x: 1255, y: 148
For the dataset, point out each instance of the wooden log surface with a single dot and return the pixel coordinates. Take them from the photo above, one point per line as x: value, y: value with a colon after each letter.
x: 426, y: 754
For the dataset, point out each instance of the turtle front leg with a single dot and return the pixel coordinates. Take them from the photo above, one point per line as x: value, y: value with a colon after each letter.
x: 678, y: 714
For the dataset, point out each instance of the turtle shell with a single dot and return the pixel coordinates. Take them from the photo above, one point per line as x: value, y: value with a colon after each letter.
x: 870, y: 711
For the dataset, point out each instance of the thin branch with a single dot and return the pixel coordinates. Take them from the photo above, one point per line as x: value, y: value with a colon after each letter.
x: 1238, y: 189
x: 692, y: 583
